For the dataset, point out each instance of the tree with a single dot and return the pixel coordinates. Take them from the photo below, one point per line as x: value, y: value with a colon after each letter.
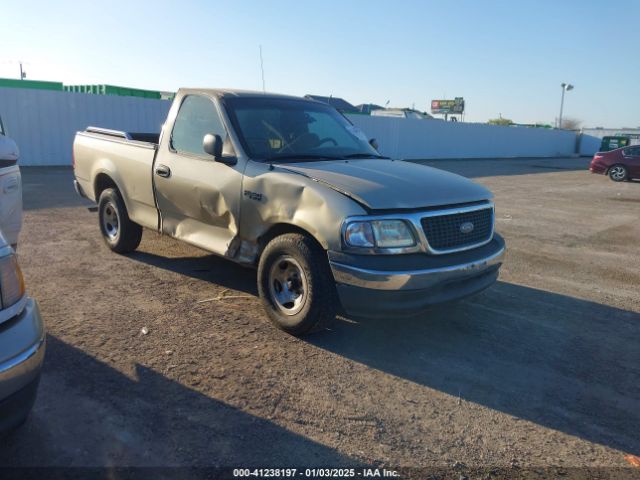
x: 569, y: 123
x: 500, y: 121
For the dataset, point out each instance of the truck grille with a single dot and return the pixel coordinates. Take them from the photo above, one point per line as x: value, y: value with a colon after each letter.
x: 458, y: 230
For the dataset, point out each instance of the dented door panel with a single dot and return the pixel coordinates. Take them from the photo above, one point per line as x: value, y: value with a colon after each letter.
x: 199, y: 201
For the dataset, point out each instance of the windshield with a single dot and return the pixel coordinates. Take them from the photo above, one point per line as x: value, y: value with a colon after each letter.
x: 289, y: 129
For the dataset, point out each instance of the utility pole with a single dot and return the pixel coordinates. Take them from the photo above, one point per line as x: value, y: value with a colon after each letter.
x: 23, y: 74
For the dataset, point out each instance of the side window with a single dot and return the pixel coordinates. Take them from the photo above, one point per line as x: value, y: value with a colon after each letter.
x: 197, y: 117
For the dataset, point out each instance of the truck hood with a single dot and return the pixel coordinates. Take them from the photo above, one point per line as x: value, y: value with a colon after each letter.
x: 380, y: 184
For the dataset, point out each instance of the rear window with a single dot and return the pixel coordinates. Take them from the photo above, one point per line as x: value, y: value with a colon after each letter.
x: 633, y: 151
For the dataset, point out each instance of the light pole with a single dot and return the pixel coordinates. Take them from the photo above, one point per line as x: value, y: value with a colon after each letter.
x: 565, y: 88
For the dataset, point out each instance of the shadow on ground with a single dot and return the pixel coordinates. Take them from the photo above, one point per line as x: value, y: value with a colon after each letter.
x: 561, y: 362
x: 148, y: 420
x: 209, y: 268
x: 49, y: 187
x: 564, y: 363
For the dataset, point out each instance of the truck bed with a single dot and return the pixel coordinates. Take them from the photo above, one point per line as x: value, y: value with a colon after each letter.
x: 128, y: 157
x: 135, y: 136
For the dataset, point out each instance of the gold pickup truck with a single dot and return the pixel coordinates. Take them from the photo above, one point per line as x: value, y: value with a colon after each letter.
x: 290, y: 186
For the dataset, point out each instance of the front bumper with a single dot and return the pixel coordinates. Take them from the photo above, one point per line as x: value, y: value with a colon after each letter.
x: 22, y: 349
x: 407, y: 284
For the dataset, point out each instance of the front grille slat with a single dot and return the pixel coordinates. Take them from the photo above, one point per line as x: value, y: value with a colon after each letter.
x: 444, y: 232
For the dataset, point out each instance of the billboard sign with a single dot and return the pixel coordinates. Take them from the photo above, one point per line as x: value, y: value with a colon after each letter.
x: 447, y: 106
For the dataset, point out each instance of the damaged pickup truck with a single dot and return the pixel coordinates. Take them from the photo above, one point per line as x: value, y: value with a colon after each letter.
x: 290, y: 186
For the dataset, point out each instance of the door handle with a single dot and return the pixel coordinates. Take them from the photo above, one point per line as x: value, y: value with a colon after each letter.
x: 163, y: 171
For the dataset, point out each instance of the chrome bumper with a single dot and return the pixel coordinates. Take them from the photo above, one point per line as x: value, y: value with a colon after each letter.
x: 22, y: 348
x: 412, y: 279
x: 377, y: 292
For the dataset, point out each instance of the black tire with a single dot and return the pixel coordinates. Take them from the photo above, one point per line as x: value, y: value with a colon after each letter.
x: 118, y: 231
x: 291, y: 253
x: 618, y: 173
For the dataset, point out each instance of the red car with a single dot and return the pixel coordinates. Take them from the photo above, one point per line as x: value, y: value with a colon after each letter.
x: 620, y: 164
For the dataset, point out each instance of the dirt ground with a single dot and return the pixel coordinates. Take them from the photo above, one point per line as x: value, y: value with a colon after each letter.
x: 542, y: 370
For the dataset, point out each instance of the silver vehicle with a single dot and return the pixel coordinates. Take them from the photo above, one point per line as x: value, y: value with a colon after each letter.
x: 291, y: 186
x: 10, y: 188
x: 22, y: 343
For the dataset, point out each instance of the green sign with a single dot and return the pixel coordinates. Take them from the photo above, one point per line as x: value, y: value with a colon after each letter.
x: 448, y: 106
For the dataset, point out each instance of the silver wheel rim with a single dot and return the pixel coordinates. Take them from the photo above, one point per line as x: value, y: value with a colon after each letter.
x: 618, y: 173
x: 110, y: 221
x: 288, y: 285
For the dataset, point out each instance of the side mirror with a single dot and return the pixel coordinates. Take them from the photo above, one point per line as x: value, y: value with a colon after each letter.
x: 212, y: 144
x: 8, y: 150
x: 374, y: 143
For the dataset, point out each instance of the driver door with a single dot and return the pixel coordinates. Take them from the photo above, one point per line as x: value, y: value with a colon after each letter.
x: 198, y: 198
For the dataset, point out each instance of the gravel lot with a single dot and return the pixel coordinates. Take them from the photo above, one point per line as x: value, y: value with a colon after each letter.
x: 541, y: 370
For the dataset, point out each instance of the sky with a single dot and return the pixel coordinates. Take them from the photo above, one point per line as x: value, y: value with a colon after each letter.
x: 505, y: 58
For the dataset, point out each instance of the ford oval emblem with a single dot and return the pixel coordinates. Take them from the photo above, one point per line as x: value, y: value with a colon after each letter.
x: 467, y: 227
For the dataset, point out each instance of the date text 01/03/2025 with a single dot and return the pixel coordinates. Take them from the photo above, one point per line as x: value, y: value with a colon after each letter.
x: 314, y: 472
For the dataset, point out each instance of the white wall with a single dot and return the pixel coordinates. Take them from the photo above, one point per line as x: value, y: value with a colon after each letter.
x: 43, y: 122
x: 418, y: 139
x: 589, y: 144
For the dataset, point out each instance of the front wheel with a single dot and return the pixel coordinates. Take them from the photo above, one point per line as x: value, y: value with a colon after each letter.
x: 618, y: 173
x: 120, y: 234
x: 296, y: 285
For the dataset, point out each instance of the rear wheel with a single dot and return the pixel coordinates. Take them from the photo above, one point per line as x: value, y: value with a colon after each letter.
x: 618, y: 173
x: 296, y: 285
x: 120, y: 234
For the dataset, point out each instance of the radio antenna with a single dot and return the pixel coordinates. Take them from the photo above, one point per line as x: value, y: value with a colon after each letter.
x: 262, y: 69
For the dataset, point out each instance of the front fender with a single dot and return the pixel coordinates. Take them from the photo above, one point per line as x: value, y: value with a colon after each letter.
x: 272, y: 197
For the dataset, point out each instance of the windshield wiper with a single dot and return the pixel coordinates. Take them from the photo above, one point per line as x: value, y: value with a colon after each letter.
x: 301, y: 157
x: 364, y: 155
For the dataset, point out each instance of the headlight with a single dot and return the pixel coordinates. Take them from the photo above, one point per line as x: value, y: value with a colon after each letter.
x: 392, y: 234
x: 11, y: 281
x: 379, y: 233
x: 359, y: 234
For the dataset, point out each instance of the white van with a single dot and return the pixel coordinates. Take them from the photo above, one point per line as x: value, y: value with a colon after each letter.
x: 10, y: 189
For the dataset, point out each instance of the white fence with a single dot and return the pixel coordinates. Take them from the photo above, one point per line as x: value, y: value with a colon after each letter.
x: 418, y: 139
x: 589, y: 144
x: 44, y: 122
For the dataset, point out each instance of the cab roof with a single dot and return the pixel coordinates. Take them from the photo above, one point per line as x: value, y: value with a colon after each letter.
x: 228, y: 92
